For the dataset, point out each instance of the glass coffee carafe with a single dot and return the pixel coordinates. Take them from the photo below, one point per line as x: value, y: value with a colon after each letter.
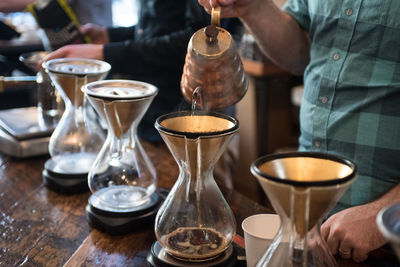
x: 302, y: 187
x: 49, y: 102
x: 78, y: 137
x: 195, y: 223
x: 213, y: 74
x: 122, y: 179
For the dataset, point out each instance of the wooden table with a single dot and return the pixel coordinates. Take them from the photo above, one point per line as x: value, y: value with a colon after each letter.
x: 39, y: 227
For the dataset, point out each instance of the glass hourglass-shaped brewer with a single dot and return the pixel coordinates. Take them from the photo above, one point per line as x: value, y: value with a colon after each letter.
x: 122, y: 179
x: 195, y: 223
x: 302, y: 188
x: 78, y: 137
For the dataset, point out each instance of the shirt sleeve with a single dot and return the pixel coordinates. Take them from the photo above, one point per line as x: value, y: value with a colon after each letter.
x: 121, y: 33
x: 298, y: 9
x: 149, y: 55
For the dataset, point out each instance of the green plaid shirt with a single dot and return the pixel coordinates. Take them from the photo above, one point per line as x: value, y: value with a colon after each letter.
x: 351, y: 101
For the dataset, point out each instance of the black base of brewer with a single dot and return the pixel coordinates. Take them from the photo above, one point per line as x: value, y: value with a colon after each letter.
x: 117, y: 223
x: 158, y: 257
x: 65, y: 183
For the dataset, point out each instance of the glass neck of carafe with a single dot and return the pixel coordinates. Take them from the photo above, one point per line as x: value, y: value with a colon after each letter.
x: 123, y: 142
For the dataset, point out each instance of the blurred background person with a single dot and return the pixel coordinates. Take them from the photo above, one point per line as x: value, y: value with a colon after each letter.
x: 93, y: 11
x: 30, y: 36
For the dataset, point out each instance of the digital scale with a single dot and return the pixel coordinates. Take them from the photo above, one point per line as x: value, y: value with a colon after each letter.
x: 20, y: 134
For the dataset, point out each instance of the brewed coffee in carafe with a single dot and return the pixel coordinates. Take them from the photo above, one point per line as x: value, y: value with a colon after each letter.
x: 195, y: 223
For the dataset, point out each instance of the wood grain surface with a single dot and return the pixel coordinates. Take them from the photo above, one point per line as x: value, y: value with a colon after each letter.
x: 39, y: 227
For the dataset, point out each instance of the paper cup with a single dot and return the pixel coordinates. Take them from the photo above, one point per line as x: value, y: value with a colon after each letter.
x: 259, y: 231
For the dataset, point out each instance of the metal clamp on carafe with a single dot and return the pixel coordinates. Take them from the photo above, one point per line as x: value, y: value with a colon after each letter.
x: 213, y: 76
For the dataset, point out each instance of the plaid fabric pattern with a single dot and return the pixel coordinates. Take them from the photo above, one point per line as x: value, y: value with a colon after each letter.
x: 351, y: 101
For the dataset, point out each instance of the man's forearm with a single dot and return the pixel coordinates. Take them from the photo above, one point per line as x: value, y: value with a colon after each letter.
x: 14, y: 5
x: 278, y: 35
x: 120, y: 34
x: 391, y: 197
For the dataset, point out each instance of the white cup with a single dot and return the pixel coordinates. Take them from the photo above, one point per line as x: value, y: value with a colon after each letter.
x: 259, y: 231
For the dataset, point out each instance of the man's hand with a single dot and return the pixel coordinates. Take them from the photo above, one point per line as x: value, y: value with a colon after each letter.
x: 96, y: 33
x: 92, y: 51
x: 353, y: 232
x: 229, y: 8
x: 272, y: 29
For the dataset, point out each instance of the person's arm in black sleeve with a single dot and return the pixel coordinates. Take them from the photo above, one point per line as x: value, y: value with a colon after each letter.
x: 164, y: 52
x: 120, y: 34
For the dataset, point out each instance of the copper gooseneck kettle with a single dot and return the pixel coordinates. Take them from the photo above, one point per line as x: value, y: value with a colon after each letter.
x: 213, y: 75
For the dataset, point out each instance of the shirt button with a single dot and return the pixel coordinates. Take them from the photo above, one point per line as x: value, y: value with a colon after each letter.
x: 336, y: 56
x: 324, y: 100
x: 317, y: 143
x: 349, y: 12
